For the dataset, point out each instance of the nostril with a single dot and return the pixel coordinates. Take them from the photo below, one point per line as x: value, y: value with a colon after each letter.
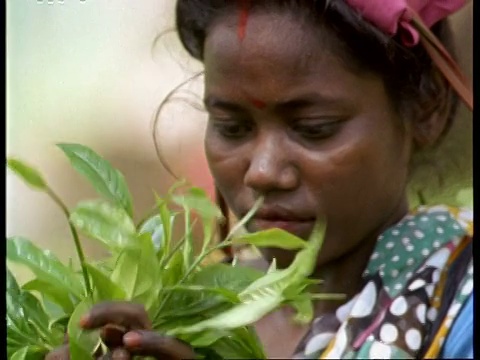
x: 269, y: 176
x: 261, y: 175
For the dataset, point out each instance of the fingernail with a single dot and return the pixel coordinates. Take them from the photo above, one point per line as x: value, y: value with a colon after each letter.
x: 84, y: 320
x: 132, y: 339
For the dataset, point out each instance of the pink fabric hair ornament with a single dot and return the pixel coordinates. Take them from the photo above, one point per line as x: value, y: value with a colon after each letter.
x: 411, y: 20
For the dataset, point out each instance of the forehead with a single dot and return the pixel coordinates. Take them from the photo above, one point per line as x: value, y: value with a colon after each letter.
x: 280, y: 55
x: 291, y: 41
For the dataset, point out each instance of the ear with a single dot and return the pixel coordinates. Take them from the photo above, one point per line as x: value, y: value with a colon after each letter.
x: 433, y: 118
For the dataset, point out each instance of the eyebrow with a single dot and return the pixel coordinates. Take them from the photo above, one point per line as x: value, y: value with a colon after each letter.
x: 214, y: 102
x: 302, y: 101
x: 310, y: 99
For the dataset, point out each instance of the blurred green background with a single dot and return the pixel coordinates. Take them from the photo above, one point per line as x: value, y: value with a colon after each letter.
x: 90, y: 72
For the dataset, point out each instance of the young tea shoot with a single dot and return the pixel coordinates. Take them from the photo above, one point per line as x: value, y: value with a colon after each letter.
x: 211, y: 306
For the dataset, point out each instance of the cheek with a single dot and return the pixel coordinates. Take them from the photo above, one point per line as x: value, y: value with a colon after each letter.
x: 225, y: 165
x: 359, y: 173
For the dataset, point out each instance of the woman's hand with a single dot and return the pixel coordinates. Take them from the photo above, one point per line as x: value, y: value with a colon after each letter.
x: 126, y: 330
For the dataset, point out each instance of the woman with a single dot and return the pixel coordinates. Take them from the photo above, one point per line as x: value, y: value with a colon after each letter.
x: 323, y: 107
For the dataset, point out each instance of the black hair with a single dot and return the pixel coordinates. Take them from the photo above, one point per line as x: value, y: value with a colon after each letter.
x: 415, y: 85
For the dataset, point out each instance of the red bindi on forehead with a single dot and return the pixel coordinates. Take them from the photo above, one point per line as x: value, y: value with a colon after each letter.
x: 243, y: 18
x: 259, y: 104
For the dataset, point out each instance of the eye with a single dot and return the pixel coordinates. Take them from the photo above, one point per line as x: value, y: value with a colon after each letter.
x: 316, y: 129
x: 231, y: 129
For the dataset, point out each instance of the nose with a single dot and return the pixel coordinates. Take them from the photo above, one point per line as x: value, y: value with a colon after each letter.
x: 270, y: 167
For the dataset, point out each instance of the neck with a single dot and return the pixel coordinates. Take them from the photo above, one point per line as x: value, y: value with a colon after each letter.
x: 344, y: 275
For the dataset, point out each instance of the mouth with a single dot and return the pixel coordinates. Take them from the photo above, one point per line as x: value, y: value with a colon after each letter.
x: 299, y: 224
x: 299, y: 228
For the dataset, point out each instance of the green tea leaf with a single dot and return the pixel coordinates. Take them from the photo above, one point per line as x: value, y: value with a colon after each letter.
x: 186, y: 307
x: 44, y: 265
x: 12, y: 284
x: 20, y: 354
x: 105, y: 288
x: 272, y: 238
x: 240, y: 315
x: 224, y: 276
x: 209, y: 291
x: 197, y: 200
x: 167, y: 221
x: 250, y: 342
x: 18, y: 329
x: 108, y: 223
x: 106, y: 180
x: 301, y: 267
x: 58, y: 295
x: 35, y: 315
x: 167, y: 218
x: 272, y: 267
x: 304, y: 308
x: 18, y: 335
x: 266, y: 293
x: 82, y: 343
x: 137, y: 271
x: 174, y: 270
x: 205, y: 338
x: 30, y: 353
x: 27, y: 173
x: 231, y: 347
x: 208, y: 231
x: 154, y: 227
x: 188, y: 244
x: 127, y: 272
x: 79, y: 351
x: 27, y: 321
x: 59, y: 322
x: 292, y: 291
x: 150, y: 270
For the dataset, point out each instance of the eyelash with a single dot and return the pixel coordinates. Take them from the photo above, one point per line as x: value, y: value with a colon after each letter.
x: 232, y: 129
x: 317, y: 131
x: 238, y: 129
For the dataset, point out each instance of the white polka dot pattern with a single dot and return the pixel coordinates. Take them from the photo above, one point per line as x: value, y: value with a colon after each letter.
x: 399, y: 301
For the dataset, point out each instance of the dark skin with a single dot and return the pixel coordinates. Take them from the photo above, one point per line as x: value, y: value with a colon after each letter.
x: 325, y: 140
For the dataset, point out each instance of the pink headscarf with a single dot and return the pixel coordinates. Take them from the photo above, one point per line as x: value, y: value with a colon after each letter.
x: 394, y: 16
x: 411, y: 20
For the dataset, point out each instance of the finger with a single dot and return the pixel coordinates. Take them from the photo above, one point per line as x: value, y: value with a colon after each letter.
x: 60, y: 353
x: 116, y: 354
x: 150, y: 343
x: 112, y: 335
x: 126, y: 314
x: 120, y: 354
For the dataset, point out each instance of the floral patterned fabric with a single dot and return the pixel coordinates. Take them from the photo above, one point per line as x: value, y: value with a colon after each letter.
x: 419, y: 276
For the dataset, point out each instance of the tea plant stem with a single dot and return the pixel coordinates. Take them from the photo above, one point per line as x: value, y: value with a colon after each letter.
x: 76, y: 239
x: 177, y: 246
x: 149, y: 214
x: 187, y: 248
x: 228, y: 240
x: 328, y: 296
x: 202, y: 257
x: 191, y: 269
x: 246, y: 218
x: 225, y: 243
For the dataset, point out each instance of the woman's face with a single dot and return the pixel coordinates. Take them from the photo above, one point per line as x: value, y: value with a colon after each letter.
x: 289, y: 121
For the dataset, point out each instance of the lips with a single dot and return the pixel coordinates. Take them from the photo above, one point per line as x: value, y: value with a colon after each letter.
x: 294, y: 222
